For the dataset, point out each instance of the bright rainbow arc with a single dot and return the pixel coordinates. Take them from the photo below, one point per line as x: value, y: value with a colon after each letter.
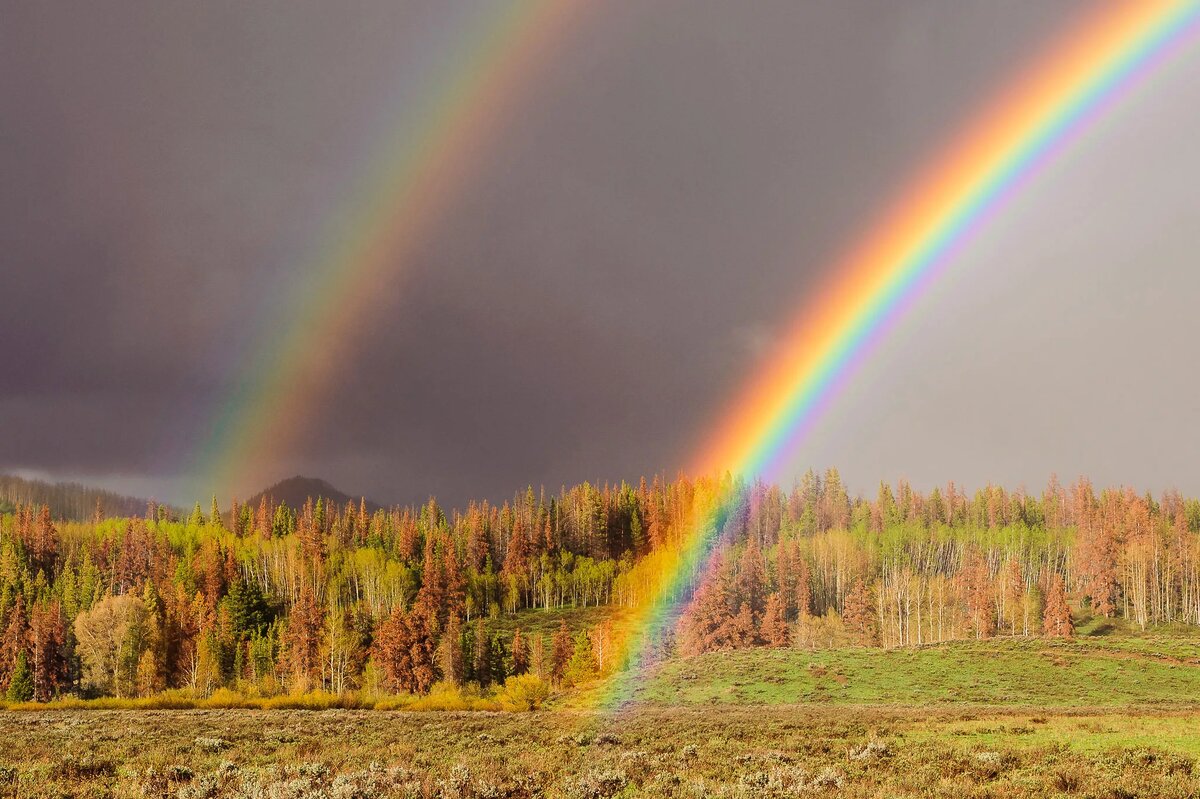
x: 884, y: 274
x: 293, y: 364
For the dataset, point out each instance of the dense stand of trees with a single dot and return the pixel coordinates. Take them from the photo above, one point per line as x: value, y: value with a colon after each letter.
x: 69, y: 500
x: 267, y: 598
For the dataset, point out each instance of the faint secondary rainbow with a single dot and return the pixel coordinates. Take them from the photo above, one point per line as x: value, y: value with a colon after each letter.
x: 1081, y: 75
x: 293, y: 360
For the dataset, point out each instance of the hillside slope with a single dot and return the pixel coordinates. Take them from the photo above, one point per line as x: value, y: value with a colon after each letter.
x: 295, y: 491
x: 996, y: 672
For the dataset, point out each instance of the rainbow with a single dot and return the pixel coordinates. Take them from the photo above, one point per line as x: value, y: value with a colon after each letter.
x: 293, y: 360
x: 1082, y: 74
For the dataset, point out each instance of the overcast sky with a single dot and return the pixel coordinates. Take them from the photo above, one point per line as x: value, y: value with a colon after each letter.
x: 672, y: 186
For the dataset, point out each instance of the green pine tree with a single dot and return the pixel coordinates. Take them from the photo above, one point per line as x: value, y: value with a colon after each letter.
x: 582, y: 666
x: 20, y: 687
x: 248, y: 609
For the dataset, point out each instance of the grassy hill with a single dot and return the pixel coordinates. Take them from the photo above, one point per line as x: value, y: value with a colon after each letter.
x: 1148, y: 671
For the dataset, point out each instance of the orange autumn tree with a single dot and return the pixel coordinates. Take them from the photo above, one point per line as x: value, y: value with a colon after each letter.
x: 1056, y: 618
x: 859, y: 614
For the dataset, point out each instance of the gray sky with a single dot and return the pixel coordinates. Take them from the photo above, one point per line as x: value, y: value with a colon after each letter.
x: 674, y: 183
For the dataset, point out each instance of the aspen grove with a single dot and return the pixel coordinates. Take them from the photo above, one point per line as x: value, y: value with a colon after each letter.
x: 267, y: 599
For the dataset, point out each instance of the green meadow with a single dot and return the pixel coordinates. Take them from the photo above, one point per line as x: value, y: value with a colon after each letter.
x: 998, y: 672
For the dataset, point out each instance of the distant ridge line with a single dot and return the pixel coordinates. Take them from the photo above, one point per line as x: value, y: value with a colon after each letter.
x: 70, y: 500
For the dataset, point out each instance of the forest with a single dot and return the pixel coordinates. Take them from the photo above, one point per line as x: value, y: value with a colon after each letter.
x: 267, y: 600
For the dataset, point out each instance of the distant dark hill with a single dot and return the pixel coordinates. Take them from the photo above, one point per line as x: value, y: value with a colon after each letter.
x: 68, y: 500
x: 294, y: 491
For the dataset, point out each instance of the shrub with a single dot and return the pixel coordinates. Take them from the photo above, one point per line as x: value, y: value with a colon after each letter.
x: 600, y: 784
x: 829, y: 778
x: 1066, y: 781
x: 79, y: 769
x: 443, y: 696
x: 524, y: 692
x: 212, y: 745
x: 872, y: 750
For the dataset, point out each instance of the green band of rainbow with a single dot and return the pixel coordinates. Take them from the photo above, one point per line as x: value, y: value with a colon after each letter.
x: 1000, y: 150
x: 424, y: 167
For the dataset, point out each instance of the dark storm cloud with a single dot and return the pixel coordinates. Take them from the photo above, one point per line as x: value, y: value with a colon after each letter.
x: 671, y: 188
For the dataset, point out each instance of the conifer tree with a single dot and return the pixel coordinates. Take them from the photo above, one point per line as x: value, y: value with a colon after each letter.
x: 214, y: 515
x: 750, y: 586
x: 498, y: 658
x: 152, y: 663
x: 520, y: 653
x: 538, y: 662
x: 785, y: 576
x: 303, y: 637
x: 859, y: 614
x: 561, y: 652
x: 581, y: 667
x: 483, y: 656
x: 803, y: 587
x: 20, y: 686
x: 16, y: 637
x: 393, y: 652
x: 1014, y: 597
x: 1056, y: 618
x: 774, y: 630
x: 248, y: 609
x: 284, y: 521
x: 47, y: 639
x: 424, y: 671
x: 740, y: 632
x: 981, y: 597
x: 263, y: 519
x: 456, y: 583
x: 45, y: 542
x: 707, y: 621
x: 431, y: 599
x: 450, y: 653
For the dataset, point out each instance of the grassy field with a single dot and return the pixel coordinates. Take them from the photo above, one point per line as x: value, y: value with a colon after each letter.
x: 656, y: 752
x: 998, y: 672
x: 1111, y: 714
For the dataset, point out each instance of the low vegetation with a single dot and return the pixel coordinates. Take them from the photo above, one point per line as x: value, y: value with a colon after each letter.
x: 652, y: 752
x: 1100, y: 716
x: 996, y: 672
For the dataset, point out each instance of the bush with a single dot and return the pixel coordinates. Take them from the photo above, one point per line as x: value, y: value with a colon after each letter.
x: 225, y: 699
x: 523, y: 693
x: 600, y: 784
x: 79, y: 769
x: 212, y: 745
x: 443, y: 696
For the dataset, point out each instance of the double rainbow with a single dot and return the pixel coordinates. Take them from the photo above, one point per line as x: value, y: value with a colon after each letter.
x: 882, y: 275
x: 880, y: 278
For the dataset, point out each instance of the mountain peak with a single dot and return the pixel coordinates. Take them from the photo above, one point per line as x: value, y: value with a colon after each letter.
x: 295, y: 491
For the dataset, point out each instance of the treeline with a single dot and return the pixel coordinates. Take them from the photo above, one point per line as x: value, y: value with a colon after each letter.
x: 68, y: 500
x: 268, y: 599
x: 906, y: 568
